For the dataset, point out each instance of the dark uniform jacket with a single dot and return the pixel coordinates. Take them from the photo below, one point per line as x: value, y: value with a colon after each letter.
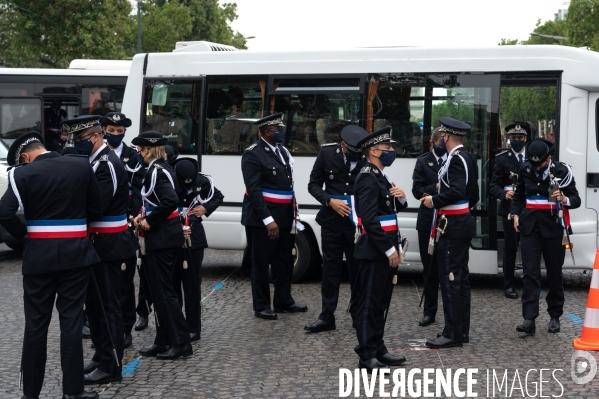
x: 114, y: 191
x: 505, y: 163
x: 424, y: 181
x: 53, y: 187
x: 165, y: 232
x: 373, y: 200
x: 135, y: 174
x: 529, y: 185
x: 331, y: 171
x: 453, y: 188
x: 202, y: 188
x: 262, y: 169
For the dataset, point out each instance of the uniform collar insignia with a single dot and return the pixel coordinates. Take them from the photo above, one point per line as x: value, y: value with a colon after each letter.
x: 125, y: 159
x: 338, y: 150
x: 376, y: 170
x: 509, y: 154
x: 430, y: 164
x: 198, y: 188
x: 528, y: 170
x: 266, y: 148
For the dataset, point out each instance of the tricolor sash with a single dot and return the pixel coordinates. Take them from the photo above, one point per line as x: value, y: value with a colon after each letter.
x: 388, y: 223
x: 109, y: 224
x: 70, y: 228
x: 539, y: 202
x: 457, y: 208
x: 276, y: 196
x: 508, y: 188
x: 350, y: 201
x: 149, y: 209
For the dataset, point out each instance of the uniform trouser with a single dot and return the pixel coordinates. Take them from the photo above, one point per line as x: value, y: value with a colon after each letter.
x: 452, y: 257
x: 191, y: 279
x: 127, y: 296
x: 144, y: 299
x: 510, y: 250
x: 108, y: 279
x: 376, y: 288
x: 553, y: 252
x: 40, y: 290
x: 160, y: 265
x: 335, y: 242
x: 431, y: 277
x: 277, y: 254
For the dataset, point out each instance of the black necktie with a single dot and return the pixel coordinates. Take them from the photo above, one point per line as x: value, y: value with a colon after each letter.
x: 279, y: 155
x: 520, y: 159
x: 440, y: 162
x: 348, y: 164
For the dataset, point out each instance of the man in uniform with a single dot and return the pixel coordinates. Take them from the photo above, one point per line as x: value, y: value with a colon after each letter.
x: 114, y: 126
x: 269, y: 210
x: 505, y: 175
x: 425, y: 181
x: 114, y: 243
x: 545, y: 192
x: 336, y: 167
x: 378, y: 200
x: 458, y: 192
x: 58, y: 195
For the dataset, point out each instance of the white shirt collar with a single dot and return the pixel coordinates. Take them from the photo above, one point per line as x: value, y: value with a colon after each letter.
x: 444, y: 157
x: 452, y: 151
x: 523, y: 153
x: 95, y: 154
x: 119, y: 150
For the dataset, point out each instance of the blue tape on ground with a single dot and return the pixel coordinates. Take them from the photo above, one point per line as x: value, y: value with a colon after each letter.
x: 132, y: 366
x: 218, y: 286
x: 575, y: 318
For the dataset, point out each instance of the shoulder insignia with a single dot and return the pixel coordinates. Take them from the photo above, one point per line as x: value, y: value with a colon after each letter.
x: 103, y: 158
x: 456, y: 152
x: 423, y: 155
x: 365, y: 169
x: 502, y: 153
x: 250, y: 148
x: 158, y: 166
x: 327, y: 144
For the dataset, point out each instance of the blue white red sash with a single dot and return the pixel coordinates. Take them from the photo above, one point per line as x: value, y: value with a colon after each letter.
x: 109, y: 224
x: 388, y: 223
x: 508, y: 188
x: 350, y: 201
x: 458, y: 208
x: 539, y: 202
x: 149, y: 209
x: 71, y: 228
x: 276, y: 196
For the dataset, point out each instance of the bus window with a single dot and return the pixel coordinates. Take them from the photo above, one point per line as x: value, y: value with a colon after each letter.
x: 233, y: 105
x: 18, y: 116
x: 397, y: 100
x: 173, y: 112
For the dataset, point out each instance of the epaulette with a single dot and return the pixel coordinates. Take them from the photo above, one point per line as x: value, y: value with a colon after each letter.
x: 502, y: 153
x: 420, y: 156
x: 103, y: 158
x: 250, y: 148
x: 158, y: 166
x: 456, y: 152
x: 327, y: 144
x: 365, y: 169
x: 565, y: 164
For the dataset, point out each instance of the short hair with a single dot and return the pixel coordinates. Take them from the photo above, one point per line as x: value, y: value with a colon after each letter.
x: 33, y: 146
x: 436, y: 134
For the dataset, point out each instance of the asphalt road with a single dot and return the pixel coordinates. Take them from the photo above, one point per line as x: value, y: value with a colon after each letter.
x: 241, y: 356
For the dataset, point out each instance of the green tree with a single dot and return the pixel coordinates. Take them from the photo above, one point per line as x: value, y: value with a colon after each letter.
x: 508, y: 42
x: 583, y: 23
x: 549, y: 28
x: 162, y: 26
x: 42, y: 33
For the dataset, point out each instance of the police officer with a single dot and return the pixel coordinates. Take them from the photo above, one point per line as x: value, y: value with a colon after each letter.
x: 336, y: 167
x: 114, y: 125
x: 426, y: 181
x: 505, y: 175
x: 163, y: 239
x: 545, y: 193
x: 58, y: 195
x: 268, y: 210
x: 377, y: 249
x: 198, y: 198
x: 458, y: 192
x: 114, y: 244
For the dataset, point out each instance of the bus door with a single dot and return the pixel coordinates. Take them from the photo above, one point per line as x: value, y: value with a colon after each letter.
x: 20, y: 115
x: 592, y: 183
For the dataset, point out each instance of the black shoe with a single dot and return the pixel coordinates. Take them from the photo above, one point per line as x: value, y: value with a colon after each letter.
x: 442, y: 342
x: 319, y: 325
x: 154, y: 350
x: 99, y: 377
x: 81, y: 395
x: 465, y: 337
x: 527, y: 327
x: 91, y: 366
x: 85, y: 333
x: 266, y: 314
x: 511, y: 293
x: 142, y: 323
x: 176, y: 351
x: 29, y: 397
x: 295, y: 308
x: 553, y: 325
x: 370, y: 364
x: 426, y: 320
x: 127, y: 341
x: 194, y: 337
x: 391, y: 360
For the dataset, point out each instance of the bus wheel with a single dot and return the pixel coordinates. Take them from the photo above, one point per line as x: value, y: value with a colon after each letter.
x: 302, y: 257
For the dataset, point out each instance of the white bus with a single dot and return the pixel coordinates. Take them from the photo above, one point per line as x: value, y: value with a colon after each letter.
x: 205, y: 102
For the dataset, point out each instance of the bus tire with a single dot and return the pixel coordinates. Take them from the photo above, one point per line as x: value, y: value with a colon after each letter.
x: 302, y: 256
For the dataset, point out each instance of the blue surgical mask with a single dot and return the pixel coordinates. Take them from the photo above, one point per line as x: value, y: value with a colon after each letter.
x: 387, y: 157
x: 279, y: 136
x: 517, y: 145
x: 442, y: 144
x: 141, y: 160
x: 114, y: 140
x: 439, y: 151
x: 84, y: 147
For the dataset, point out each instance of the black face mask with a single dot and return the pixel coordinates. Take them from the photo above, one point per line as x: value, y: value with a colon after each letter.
x: 351, y: 157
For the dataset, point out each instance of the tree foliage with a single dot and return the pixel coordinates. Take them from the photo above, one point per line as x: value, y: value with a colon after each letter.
x: 549, y: 28
x: 583, y: 23
x: 508, y: 42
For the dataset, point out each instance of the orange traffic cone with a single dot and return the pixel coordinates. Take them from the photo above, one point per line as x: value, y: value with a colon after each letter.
x: 590, y: 331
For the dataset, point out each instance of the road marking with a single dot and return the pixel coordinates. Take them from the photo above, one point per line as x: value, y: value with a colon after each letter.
x: 575, y: 318
x: 130, y: 368
x: 219, y: 285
